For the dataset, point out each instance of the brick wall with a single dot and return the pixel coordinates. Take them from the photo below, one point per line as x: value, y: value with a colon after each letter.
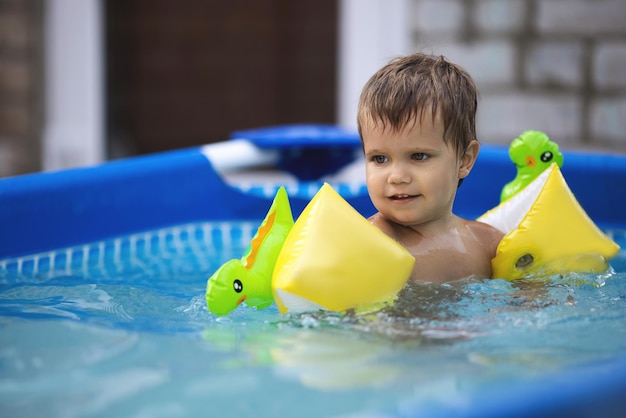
x: 20, y: 85
x: 553, y: 65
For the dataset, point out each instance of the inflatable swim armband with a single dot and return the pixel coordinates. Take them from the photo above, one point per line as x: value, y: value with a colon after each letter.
x: 331, y: 258
x: 532, y: 153
x: 336, y: 259
x: 249, y: 279
x: 547, y: 231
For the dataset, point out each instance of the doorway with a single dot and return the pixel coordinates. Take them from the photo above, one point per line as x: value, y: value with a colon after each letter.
x: 190, y: 72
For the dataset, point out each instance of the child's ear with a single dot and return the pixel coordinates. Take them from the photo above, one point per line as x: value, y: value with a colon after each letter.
x: 469, y: 158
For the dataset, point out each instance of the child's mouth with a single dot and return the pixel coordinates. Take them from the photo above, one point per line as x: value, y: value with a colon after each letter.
x: 402, y: 197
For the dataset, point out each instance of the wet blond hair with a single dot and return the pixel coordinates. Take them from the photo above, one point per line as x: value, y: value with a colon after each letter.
x: 411, y: 87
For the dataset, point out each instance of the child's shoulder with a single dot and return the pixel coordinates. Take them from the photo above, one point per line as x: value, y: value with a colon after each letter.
x: 383, y: 224
x: 486, y: 233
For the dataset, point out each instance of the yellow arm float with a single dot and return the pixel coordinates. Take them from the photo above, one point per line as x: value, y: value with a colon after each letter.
x: 335, y: 259
x: 547, y: 232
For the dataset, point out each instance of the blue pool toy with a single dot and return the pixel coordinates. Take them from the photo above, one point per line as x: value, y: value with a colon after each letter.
x: 308, y: 151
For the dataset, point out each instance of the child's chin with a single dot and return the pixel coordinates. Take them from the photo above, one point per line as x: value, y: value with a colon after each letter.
x: 404, y: 221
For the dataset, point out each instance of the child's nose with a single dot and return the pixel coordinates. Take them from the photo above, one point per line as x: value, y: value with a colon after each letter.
x: 399, y: 174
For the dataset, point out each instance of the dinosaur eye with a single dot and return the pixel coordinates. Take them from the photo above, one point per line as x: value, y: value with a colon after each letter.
x: 524, y: 262
x: 237, y: 285
x: 546, y: 156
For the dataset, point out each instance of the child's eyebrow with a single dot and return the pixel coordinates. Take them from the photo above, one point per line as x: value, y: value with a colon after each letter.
x: 374, y: 151
x: 424, y: 149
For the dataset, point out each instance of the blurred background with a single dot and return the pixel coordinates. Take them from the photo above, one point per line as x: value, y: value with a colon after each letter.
x: 85, y: 81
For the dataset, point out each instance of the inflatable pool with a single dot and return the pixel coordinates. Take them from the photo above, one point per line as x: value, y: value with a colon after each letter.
x: 237, y: 180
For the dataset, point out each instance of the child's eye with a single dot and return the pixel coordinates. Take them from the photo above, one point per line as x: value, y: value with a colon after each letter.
x: 419, y: 156
x: 379, y: 159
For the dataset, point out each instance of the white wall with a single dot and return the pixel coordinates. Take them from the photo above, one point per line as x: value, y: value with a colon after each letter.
x: 371, y: 32
x: 75, y: 102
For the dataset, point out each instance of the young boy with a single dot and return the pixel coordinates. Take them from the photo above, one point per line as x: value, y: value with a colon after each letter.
x: 416, y: 117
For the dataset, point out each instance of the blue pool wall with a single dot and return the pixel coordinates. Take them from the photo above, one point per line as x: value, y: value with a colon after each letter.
x: 44, y: 211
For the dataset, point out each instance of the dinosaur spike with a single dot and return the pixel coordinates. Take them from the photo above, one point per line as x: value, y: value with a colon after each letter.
x: 248, y: 280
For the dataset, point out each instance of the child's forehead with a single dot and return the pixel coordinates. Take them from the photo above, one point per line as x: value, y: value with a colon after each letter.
x: 429, y: 130
x: 424, y: 118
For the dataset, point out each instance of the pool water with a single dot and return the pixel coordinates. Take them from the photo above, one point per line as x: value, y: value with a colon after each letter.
x: 120, y: 328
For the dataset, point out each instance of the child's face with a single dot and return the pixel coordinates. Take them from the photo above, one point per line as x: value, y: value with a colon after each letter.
x: 412, y: 175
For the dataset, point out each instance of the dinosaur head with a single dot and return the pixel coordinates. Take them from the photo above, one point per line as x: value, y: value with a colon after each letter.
x: 226, y: 288
x: 533, y: 151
